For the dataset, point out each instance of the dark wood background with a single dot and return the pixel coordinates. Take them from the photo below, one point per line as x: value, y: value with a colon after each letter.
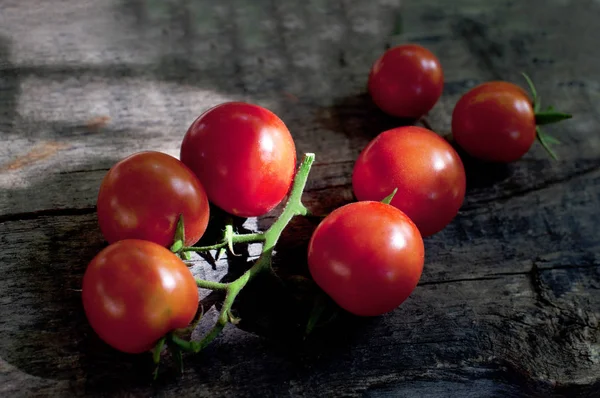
x: 509, y: 301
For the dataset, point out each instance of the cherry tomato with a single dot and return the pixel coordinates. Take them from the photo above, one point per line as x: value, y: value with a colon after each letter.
x: 406, y: 81
x: 244, y: 156
x: 135, y: 291
x: 495, y: 121
x: 367, y: 256
x: 427, y: 171
x: 143, y: 195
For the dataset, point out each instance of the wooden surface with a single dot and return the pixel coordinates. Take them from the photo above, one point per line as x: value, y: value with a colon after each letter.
x: 509, y: 301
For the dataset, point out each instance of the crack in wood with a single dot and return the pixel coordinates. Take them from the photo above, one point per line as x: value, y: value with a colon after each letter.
x: 66, y: 172
x: 518, y: 194
x: 533, y: 274
x: 539, y: 288
x: 442, y: 282
x: 47, y: 213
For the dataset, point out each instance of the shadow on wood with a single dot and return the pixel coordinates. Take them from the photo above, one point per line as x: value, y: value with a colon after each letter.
x: 357, y: 115
x: 10, y: 87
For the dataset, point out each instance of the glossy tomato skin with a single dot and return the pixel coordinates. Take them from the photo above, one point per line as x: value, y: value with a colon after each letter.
x: 495, y: 122
x: 406, y: 81
x: 427, y: 171
x: 244, y: 155
x: 136, y: 291
x: 367, y: 256
x: 142, y: 196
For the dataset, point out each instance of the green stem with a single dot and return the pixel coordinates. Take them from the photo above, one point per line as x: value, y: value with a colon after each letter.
x: 156, y: 351
x: 243, y: 238
x: 233, y: 289
x: 293, y: 207
x: 204, y: 284
x: 229, y: 235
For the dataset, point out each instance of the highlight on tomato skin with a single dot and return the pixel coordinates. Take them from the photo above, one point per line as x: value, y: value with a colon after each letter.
x: 495, y: 121
x: 367, y: 256
x: 406, y: 81
x: 135, y: 292
x: 244, y: 155
x: 427, y: 171
x: 143, y: 196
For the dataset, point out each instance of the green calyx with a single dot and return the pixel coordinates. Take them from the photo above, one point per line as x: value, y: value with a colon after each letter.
x: 548, y: 116
x: 388, y: 199
x: 179, y: 240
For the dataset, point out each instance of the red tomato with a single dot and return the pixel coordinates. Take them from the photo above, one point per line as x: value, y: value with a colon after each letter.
x: 142, y: 196
x: 244, y: 155
x: 406, y: 81
x: 427, y: 171
x: 136, y: 291
x: 495, y: 121
x: 367, y: 256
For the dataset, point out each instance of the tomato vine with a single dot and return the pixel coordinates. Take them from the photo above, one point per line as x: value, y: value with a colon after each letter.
x: 294, y: 207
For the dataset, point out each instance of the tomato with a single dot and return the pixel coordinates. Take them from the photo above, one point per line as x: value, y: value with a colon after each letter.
x: 427, y: 171
x: 406, y: 81
x: 143, y: 195
x: 244, y: 156
x: 136, y: 291
x: 495, y: 121
x: 367, y: 256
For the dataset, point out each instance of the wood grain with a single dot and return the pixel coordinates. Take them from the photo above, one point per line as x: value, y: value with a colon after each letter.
x: 509, y: 301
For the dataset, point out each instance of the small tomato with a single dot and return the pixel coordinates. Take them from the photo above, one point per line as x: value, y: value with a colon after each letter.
x: 367, y: 256
x: 136, y: 291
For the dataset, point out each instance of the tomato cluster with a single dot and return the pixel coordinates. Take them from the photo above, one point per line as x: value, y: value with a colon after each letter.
x: 369, y: 259
x: 238, y: 156
x: 368, y: 256
x: 495, y: 121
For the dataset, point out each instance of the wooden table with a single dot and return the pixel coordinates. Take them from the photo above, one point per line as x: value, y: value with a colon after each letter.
x: 509, y: 301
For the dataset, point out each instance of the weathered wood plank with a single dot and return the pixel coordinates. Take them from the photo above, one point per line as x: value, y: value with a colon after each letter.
x: 508, y: 303
x: 118, y: 109
x: 480, y: 306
